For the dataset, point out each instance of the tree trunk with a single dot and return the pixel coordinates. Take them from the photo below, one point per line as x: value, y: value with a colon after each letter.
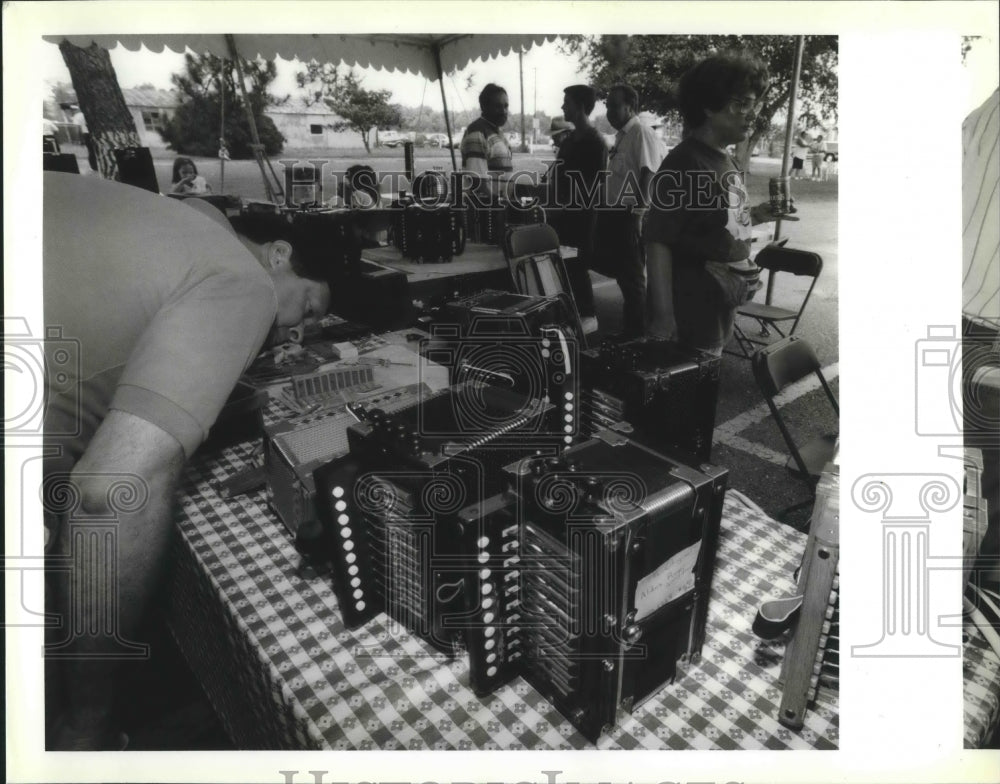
x: 364, y: 138
x: 109, y: 122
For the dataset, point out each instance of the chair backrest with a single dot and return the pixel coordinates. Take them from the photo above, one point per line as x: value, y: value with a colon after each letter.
x: 60, y: 162
x: 793, y: 260
x: 532, y: 254
x: 529, y: 239
x: 778, y: 258
x: 135, y: 167
x: 777, y: 366
x: 782, y: 363
x: 536, y: 266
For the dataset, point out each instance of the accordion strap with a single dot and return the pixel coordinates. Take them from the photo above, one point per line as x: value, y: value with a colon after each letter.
x: 776, y: 616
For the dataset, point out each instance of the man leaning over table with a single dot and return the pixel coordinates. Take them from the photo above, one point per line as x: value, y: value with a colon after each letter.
x: 633, y: 159
x: 169, y: 308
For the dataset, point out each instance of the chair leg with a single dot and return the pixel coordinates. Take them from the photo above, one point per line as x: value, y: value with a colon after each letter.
x: 784, y: 513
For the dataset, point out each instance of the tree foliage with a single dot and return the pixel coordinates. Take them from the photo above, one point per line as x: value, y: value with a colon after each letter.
x: 653, y: 65
x: 359, y: 109
x: 207, y: 84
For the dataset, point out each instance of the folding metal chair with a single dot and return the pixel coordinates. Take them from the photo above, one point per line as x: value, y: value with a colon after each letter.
x: 777, y: 366
x: 776, y: 259
x: 536, y: 266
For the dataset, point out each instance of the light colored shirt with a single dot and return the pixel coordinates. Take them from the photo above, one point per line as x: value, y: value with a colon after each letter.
x: 981, y: 212
x: 636, y: 148
x: 165, y: 308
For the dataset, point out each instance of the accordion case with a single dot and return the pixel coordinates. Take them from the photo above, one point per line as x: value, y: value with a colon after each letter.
x: 389, y: 510
x: 591, y: 576
x: 666, y: 391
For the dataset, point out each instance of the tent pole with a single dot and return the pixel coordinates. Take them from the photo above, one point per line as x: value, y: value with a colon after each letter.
x: 520, y: 73
x: 444, y: 102
x: 258, y: 148
x: 222, y: 127
x: 789, y: 128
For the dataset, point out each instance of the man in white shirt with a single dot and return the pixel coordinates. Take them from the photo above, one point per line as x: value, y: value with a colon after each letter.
x: 636, y: 155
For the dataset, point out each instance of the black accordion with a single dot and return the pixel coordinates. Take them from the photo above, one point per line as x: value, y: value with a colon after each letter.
x: 513, y: 341
x: 591, y: 576
x: 389, y: 510
x: 666, y: 391
x: 428, y: 234
x: 327, y: 240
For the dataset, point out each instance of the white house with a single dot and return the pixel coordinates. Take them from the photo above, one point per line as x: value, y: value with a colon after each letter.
x: 150, y: 108
x: 308, y: 127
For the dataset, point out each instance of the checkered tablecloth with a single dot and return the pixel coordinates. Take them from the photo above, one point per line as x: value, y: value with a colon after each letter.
x: 263, y: 634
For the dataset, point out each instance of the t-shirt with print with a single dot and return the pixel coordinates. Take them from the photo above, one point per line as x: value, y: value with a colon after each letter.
x: 165, y: 307
x: 701, y: 212
x: 700, y: 208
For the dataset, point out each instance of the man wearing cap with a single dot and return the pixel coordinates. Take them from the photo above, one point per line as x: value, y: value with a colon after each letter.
x: 637, y: 153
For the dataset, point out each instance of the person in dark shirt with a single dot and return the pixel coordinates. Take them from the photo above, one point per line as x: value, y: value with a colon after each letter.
x: 575, y: 188
x: 698, y: 231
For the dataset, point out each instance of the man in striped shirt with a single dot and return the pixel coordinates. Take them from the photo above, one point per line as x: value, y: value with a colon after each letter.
x: 484, y: 148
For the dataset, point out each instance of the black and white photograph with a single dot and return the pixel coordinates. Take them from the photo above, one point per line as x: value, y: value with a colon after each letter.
x: 448, y: 377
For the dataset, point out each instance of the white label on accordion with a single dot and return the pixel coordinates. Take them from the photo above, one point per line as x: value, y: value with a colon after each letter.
x: 673, y: 578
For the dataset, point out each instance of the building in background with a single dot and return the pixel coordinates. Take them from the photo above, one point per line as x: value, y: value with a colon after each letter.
x: 309, y: 127
x: 150, y: 108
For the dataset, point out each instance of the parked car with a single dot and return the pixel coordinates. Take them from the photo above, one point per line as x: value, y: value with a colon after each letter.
x: 437, y: 139
x: 392, y: 138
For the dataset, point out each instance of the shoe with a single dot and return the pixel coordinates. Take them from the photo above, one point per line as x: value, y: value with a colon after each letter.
x: 588, y: 324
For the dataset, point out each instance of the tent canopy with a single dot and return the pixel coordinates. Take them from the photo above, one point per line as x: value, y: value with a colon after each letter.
x: 411, y: 53
x: 430, y: 55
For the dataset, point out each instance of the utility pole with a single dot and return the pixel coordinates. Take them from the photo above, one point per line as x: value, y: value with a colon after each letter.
x: 520, y: 69
x: 534, y: 108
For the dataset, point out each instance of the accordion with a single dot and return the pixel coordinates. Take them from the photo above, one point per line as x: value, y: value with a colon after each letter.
x: 389, y: 510
x: 429, y: 234
x: 666, y: 391
x: 591, y: 576
x: 327, y: 240
x: 488, y: 224
x: 812, y: 656
x: 293, y: 449
x: 514, y: 341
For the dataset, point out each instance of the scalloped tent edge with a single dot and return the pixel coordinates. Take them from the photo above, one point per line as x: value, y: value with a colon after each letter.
x: 409, y: 53
x: 428, y: 55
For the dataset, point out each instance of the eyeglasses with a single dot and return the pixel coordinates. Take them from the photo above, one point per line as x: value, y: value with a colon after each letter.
x: 743, y: 106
